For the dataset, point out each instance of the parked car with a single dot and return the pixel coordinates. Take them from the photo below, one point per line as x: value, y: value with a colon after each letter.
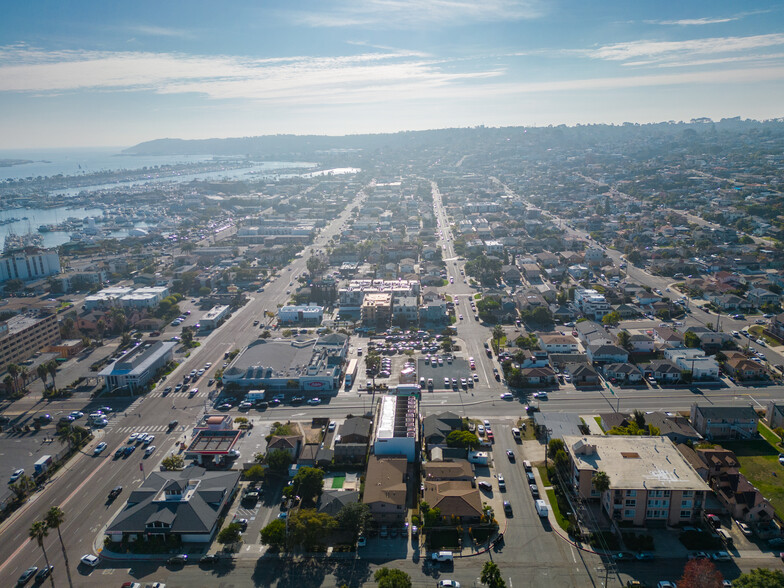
x: 16, y: 475
x: 178, y: 560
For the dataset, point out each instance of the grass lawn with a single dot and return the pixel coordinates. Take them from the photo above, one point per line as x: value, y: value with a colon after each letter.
x: 562, y: 522
x: 443, y: 539
x: 544, y: 476
x: 769, y: 435
x: 759, y: 462
x: 599, y: 422
x: 337, y: 482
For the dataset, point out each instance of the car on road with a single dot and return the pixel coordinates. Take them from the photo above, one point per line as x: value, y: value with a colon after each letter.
x: 130, y: 449
x: 133, y: 437
x: 99, y: 448
x: 510, y: 454
x: 120, y: 452
x: 178, y: 560
x: 297, y: 399
x: 721, y: 556
x: 224, y: 406
x: 77, y: 414
x: 501, y: 483
x: 89, y: 560
x: 209, y: 559
x: 744, y: 528
x: 149, y: 451
x: 534, y: 490
x: 26, y: 575
x: 115, y: 492
x: 314, y: 401
x: 448, y: 584
x: 148, y: 439
x: 16, y: 475
x: 507, y: 507
x: 507, y: 396
x: 540, y: 395
x: 331, y: 426
x: 43, y: 574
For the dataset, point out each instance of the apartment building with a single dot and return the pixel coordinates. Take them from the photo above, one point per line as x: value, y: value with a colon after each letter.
x: 22, y: 336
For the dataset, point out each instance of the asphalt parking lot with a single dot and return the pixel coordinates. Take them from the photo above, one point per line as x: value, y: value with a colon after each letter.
x: 459, y: 368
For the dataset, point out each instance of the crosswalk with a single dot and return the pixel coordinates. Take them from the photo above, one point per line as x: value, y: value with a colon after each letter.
x: 142, y: 429
x: 181, y: 394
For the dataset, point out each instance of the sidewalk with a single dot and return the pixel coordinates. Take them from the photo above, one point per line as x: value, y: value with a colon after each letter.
x: 593, y: 426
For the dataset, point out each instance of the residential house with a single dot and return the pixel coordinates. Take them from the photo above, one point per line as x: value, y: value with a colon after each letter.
x: 386, y: 489
x: 728, y: 302
x: 639, y: 494
x: 604, y: 353
x: 710, y: 341
x: 743, y: 501
x: 539, y: 376
x: 582, y: 374
x: 675, y: 427
x: 641, y: 343
x: 333, y: 501
x: 694, y: 361
x: 356, y: 430
x: 774, y: 414
x: 623, y: 372
x: 760, y: 296
x: 663, y: 370
x: 558, y: 343
x: 436, y: 428
x: 724, y: 422
x: 666, y: 336
x: 591, y: 333
x: 744, y: 369
x: 288, y: 443
x: 458, y: 469
x: 716, y: 460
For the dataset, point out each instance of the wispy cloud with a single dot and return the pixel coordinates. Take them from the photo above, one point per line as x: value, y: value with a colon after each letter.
x: 685, y: 22
x: 664, y: 50
x: 417, y: 13
x: 347, y: 79
x: 155, y: 31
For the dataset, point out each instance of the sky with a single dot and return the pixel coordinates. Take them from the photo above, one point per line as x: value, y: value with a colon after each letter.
x: 83, y: 73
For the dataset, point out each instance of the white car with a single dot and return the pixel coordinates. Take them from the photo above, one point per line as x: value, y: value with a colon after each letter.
x: 507, y: 396
x: 16, y: 475
x: 149, y: 450
x: 99, y: 448
x: 480, y: 429
x: 77, y: 414
x: 133, y: 437
x: 149, y: 439
x: 314, y: 401
x: 89, y: 560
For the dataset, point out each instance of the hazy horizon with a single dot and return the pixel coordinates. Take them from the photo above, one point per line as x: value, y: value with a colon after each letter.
x: 94, y: 75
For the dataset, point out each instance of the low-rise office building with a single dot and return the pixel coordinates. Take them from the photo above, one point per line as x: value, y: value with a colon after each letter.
x: 397, y: 427
x: 137, y: 367
x: 301, y: 314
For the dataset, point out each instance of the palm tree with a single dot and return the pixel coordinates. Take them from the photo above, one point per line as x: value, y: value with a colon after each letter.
x: 42, y: 372
x: 24, y: 374
x: 601, y: 481
x: 13, y: 371
x: 51, y: 367
x: 65, y: 434
x: 8, y: 381
x: 38, y: 532
x: 54, y: 518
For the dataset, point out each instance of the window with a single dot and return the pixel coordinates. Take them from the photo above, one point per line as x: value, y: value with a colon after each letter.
x: 628, y: 513
x: 688, y: 493
x: 631, y: 493
x: 685, y: 514
x: 630, y: 502
x: 685, y: 503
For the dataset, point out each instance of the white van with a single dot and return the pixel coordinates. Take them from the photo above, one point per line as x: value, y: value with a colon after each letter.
x: 442, y: 556
x: 541, y: 508
x: 515, y: 432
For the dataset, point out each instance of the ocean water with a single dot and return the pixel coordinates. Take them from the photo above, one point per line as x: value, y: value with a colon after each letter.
x: 70, y: 162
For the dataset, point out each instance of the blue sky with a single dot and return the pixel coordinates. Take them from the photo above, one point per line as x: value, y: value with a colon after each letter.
x: 116, y: 73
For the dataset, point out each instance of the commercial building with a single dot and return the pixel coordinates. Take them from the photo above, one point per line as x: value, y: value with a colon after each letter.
x: 352, y: 296
x: 137, y: 367
x: 23, y: 336
x: 397, y: 427
x: 302, y: 314
x: 213, y: 317
x: 651, y: 483
x: 187, y: 504
x: 309, y: 364
x: 31, y: 264
x: 126, y: 297
x: 376, y: 310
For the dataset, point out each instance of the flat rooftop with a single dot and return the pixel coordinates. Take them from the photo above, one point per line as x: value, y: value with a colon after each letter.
x: 214, y: 442
x: 281, y: 356
x: 652, y: 463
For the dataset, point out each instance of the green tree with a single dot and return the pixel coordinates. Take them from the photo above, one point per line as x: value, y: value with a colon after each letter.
x: 255, y: 473
x: 22, y: 486
x: 38, y: 532
x: 274, y: 534
x: 491, y: 575
x: 624, y: 340
x: 173, y: 462
x: 51, y: 367
x: 42, y: 373
x: 691, y: 339
x: 13, y: 371
x: 278, y: 460
x: 187, y: 337
x: 231, y: 533
x: 309, y: 528
x: 308, y: 484
x: 600, y: 481
x: 498, y: 335
x: 462, y: 439
x: 760, y: 578
x: 354, y: 517
x: 611, y: 318
x: 392, y: 578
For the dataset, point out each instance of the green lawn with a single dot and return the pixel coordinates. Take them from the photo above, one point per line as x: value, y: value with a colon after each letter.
x: 599, y: 422
x: 337, y: 482
x: 544, y: 476
x: 769, y: 435
x: 562, y: 522
x: 760, y: 464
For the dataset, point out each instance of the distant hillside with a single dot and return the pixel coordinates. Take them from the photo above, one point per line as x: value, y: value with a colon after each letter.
x: 304, y: 146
